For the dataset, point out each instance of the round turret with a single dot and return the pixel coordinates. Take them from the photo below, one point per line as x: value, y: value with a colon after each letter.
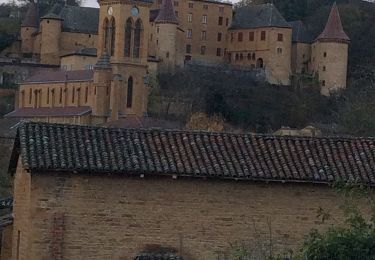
x: 29, y: 28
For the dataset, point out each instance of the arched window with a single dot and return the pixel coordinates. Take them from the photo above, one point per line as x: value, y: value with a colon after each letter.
x: 112, y: 30
x: 128, y: 37
x: 260, y: 63
x: 106, y: 34
x: 253, y: 56
x: 137, y: 38
x: 129, y: 96
x: 249, y: 56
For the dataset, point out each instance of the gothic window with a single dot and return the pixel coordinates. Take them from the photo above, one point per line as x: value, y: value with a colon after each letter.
x: 30, y: 95
x: 106, y: 34
x: 249, y: 56
x: 240, y: 36
x: 137, y: 38
x: 128, y: 37
x: 112, y: 31
x: 129, y: 96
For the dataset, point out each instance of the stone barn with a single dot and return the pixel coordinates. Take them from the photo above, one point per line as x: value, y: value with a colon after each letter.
x: 85, y: 192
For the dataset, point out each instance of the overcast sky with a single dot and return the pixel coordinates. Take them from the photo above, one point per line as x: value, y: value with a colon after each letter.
x: 94, y: 3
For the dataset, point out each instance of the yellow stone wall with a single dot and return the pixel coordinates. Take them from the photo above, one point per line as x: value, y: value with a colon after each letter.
x: 57, y: 94
x: 115, y: 217
x: 71, y: 41
x: 301, y: 56
x: 50, y: 41
x: 277, y: 64
x: 329, y: 61
x: 212, y: 27
x: 77, y: 62
x: 27, y: 39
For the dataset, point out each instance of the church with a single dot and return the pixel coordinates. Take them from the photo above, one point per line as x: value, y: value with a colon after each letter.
x: 107, y: 55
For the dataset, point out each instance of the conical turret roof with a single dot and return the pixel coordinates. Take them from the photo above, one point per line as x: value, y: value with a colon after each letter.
x: 333, y: 30
x: 166, y: 13
x: 32, y: 16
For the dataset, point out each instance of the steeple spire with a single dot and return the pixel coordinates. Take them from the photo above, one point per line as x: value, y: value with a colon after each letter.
x: 333, y: 30
x: 166, y: 13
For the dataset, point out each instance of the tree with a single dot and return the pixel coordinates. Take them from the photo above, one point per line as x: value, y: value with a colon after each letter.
x: 352, y: 240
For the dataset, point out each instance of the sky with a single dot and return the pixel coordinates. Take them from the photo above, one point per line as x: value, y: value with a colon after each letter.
x: 94, y: 3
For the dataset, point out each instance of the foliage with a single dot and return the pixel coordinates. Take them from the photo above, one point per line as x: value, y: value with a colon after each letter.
x: 200, y: 121
x: 354, y: 239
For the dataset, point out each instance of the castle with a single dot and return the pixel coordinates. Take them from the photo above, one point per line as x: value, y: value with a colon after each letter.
x: 106, y: 55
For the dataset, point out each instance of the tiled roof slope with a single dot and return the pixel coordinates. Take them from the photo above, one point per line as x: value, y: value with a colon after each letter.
x: 333, y: 30
x: 75, y: 18
x: 257, y: 16
x: 25, y: 112
x: 299, y: 32
x: 55, y: 147
x: 61, y: 76
x: 166, y: 13
x: 32, y: 16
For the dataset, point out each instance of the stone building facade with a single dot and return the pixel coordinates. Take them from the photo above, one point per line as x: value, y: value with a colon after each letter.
x: 130, y: 41
x: 103, y: 193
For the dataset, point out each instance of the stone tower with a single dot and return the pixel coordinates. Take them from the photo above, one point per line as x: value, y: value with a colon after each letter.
x: 329, y: 57
x: 29, y: 26
x: 166, y: 32
x: 102, y: 84
x: 50, y: 27
x: 123, y: 34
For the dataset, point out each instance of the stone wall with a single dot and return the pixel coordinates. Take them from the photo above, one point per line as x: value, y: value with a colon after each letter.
x: 77, y: 216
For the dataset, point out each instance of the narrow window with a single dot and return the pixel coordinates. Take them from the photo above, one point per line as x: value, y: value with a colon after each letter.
x: 176, y: 13
x: 219, y: 35
x: 191, y: 5
x: 86, y: 94
x: 190, y: 18
x: 204, y: 35
x: 204, y: 19
x: 279, y: 50
x: 323, y: 82
x: 22, y: 98
x: 203, y: 50
x: 106, y: 34
x: 137, y: 38
x: 263, y: 35
x: 188, y: 48
x: 205, y: 7
x: 251, y: 36
x: 325, y: 54
x: 61, y: 92
x: 218, y: 52
x: 47, y: 95
x: 231, y: 37
x: 324, y: 68
x: 113, y: 36
x: 175, y: 3
x: 227, y: 21
x: 189, y: 33
x: 220, y: 22
x: 253, y: 56
x: 128, y: 37
x: 236, y: 57
x: 73, y: 93
x: 241, y: 56
x: 129, y: 97
x: 249, y: 56
x: 280, y: 37
x: 221, y: 9
x: 240, y: 36
x: 30, y: 95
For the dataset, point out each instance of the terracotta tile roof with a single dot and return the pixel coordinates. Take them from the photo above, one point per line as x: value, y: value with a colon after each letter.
x: 48, y: 111
x: 257, y: 16
x: 133, y: 121
x: 61, y: 76
x: 333, y: 29
x: 166, y: 13
x: 55, y: 147
x: 32, y: 16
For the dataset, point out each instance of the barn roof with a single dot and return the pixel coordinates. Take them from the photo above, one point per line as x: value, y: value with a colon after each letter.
x: 48, y: 147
